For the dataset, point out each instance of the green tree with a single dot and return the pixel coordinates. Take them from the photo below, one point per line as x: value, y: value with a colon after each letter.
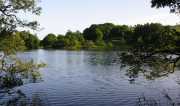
x: 31, y: 41
x: 73, y: 40
x: 93, y: 33
x: 60, y: 43
x: 98, y: 32
x: 154, y: 37
x: 106, y: 29
x: 49, y: 41
x: 120, y: 33
x: 9, y: 44
x: 75, y: 35
x: 120, y: 36
x: 146, y: 37
x: 169, y: 38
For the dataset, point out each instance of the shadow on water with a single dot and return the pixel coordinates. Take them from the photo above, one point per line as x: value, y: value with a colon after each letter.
x: 151, y: 67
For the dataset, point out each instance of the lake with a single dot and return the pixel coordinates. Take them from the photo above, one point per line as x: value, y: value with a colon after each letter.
x: 90, y: 78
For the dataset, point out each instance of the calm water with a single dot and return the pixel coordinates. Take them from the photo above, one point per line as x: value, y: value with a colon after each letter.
x: 84, y: 78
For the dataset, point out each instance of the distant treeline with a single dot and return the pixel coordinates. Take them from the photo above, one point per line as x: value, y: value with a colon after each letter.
x: 146, y: 37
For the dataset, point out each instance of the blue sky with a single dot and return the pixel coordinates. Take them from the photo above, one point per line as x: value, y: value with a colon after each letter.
x: 58, y: 16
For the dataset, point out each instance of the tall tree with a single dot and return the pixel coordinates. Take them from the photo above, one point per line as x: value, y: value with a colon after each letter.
x: 147, y: 37
x: 49, y: 41
x: 93, y: 33
x: 11, y: 43
x: 31, y: 41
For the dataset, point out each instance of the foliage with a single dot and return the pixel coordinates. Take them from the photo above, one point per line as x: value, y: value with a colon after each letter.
x: 153, y: 37
x: 18, y: 41
x: 31, y: 41
x: 60, y: 43
x: 106, y: 29
x: 48, y: 41
x: 9, y: 44
x: 120, y: 32
x: 98, y: 32
x: 174, y: 5
x: 93, y: 33
x: 89, y: 45
x: 71, y: 41
x: 177, y: 27
x: 146, y: 37
x: 10, y: 10
x: 14, y: 71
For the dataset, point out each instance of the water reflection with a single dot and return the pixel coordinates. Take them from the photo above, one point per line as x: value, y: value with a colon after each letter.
x: 102, y: 58
x: 18, y: 98
x: 151, y: 66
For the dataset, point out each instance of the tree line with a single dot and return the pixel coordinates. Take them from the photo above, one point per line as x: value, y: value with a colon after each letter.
x: 147, y: 37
